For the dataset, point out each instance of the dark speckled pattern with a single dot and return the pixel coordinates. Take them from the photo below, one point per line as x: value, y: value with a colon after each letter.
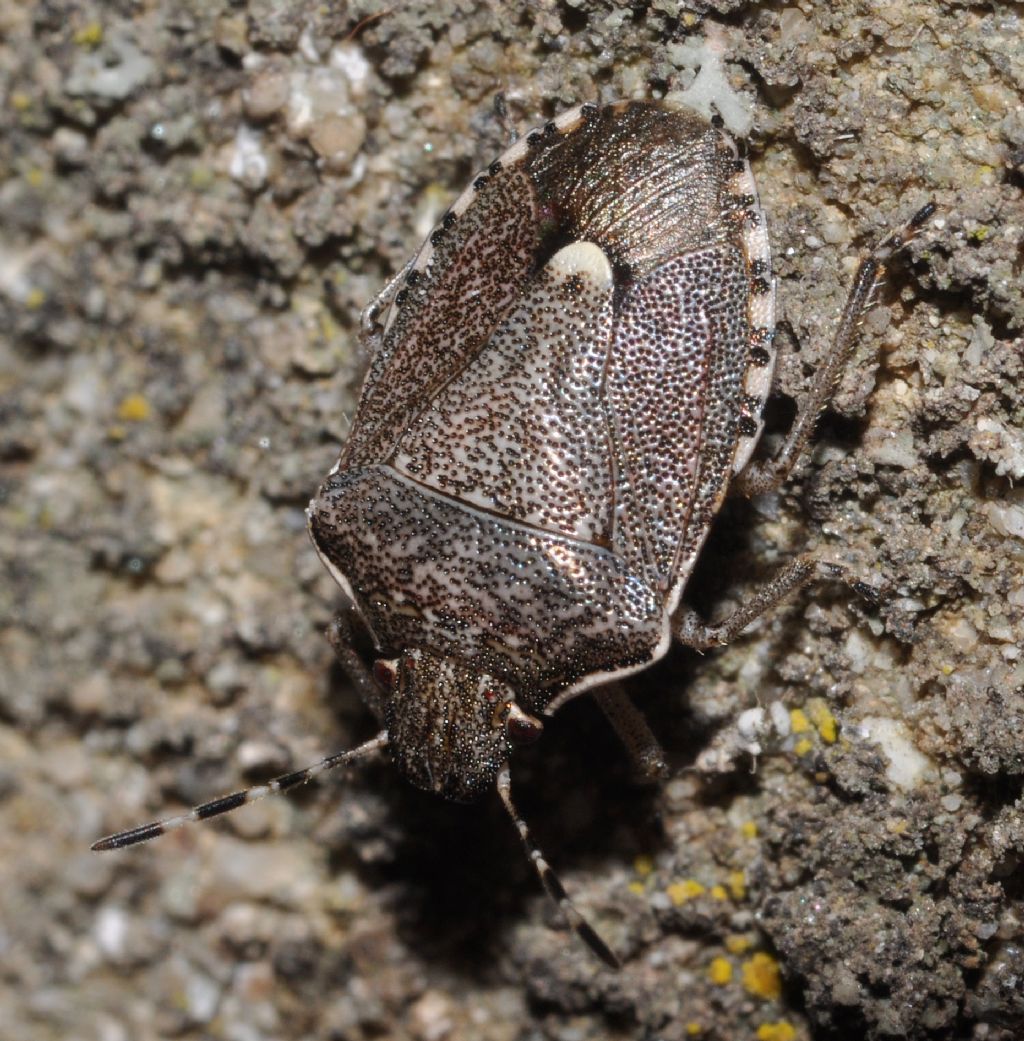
x: 548, y: 426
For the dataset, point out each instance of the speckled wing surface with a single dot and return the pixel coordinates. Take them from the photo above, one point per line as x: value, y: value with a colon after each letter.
x: 521, y: 431
x: 476, y: 272
x: 488, y: 528
x: 674, y: 382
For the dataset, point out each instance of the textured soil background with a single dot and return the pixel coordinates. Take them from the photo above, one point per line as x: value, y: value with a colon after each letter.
x: 196, y: 199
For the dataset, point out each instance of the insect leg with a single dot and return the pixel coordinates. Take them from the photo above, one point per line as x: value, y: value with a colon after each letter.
x: 549, y: 879
x: 692, y: 631
x: 226, y: 803
x: 628, y: 722
x: 341, y: 636
x: 501, y: 114
x: 369, y: 318
x: 764, y: 476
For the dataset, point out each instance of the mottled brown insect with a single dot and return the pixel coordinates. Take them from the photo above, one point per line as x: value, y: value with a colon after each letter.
x: 565, y: 381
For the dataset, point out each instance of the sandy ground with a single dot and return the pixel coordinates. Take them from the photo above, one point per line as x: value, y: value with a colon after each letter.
x: 196, y: 199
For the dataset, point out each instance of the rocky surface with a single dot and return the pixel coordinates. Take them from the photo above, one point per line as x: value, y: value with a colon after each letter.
x: 196, y: 200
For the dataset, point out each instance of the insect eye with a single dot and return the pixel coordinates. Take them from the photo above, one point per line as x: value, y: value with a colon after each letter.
x: 521, y: 728
x: 385, y: 672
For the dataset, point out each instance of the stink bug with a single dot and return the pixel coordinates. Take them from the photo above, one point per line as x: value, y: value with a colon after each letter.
x: 564, y: 383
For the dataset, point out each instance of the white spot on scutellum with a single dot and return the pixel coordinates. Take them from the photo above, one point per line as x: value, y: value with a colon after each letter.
x: 583, y: 258
x: 564, y: 124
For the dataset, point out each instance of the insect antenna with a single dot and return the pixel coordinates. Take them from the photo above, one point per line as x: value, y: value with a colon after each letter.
x: 583, y: 929
x: 226, y: 803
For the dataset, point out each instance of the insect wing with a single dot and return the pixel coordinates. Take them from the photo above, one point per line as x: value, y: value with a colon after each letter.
x: 459, y: 289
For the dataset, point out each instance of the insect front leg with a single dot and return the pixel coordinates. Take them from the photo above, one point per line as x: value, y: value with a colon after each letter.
x: 692, y: 631
x: 503, y: 118
x: 767, y: 475
x: 341, y: 636
x: 370, y: 328
x: 642, y: 747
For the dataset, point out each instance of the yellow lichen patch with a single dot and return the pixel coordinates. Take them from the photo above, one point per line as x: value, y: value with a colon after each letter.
x: 34, y: 299
x: 720, y: 971
x: 798, y: 721
x: 736, y: 944
x: 682, y: 892
x: 636, y: 887
x: 35, y: 177
x: 134, y: 409
x: 643, y: 865
x: 823, y: 720
x: 693, y: 1029
x: 761, y: 976
x: 20, y: 101
x: 748, y: 829
x: 781, y: 1031
x: 201, y: 177
x: 330, y: 330
x: 90, y: 35
x: 803, y: 746
x: 738, y: 885
x: 719, y: 893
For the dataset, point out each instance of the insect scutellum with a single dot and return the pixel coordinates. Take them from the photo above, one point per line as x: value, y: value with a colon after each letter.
x: 564, y: 383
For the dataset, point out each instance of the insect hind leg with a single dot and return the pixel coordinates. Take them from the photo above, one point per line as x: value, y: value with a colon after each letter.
x: 692, y: 631
x: 767, y: 475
